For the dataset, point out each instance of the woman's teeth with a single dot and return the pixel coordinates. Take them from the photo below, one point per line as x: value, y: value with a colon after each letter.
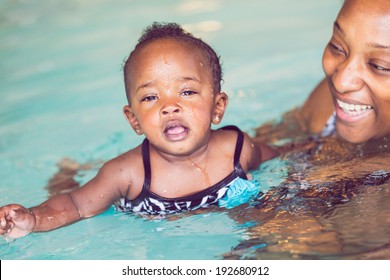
x: 353, y: 109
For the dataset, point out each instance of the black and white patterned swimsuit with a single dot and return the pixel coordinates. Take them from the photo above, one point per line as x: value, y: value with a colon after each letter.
x: 151, y: 203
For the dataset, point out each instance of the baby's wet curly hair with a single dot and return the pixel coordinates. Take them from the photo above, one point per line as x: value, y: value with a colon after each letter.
x: 158, y: 31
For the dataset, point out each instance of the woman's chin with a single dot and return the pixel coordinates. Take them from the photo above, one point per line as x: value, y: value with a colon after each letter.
x: 353, y: 135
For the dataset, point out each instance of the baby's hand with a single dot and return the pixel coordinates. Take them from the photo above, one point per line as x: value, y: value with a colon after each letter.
x: 16, y: 221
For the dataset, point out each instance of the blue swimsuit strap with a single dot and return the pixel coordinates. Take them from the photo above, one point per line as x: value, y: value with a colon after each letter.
x: 148, y: 171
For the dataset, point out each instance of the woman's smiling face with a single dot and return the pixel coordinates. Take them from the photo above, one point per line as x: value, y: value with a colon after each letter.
x: 357, y: 65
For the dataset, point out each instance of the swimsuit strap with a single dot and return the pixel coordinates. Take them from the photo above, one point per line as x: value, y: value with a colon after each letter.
x: 238, y: 149
x: 146, y: 161
x: 147, y: 170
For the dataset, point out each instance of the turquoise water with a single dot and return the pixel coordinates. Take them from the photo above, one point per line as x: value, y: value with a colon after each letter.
x: 62, y: 94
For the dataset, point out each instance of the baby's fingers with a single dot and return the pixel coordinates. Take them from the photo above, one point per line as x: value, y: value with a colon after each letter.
x: 4, y: 226
x: 15, y: 221
x: 19, y: 216
x: 15, y: 214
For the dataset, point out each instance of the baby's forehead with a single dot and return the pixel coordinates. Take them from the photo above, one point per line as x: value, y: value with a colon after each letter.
x: 178, y: 43
x: 173, y: 53
x: 170, y: 47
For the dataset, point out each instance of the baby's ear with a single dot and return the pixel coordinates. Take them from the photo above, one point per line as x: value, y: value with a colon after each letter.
x: 221, y: 102
x: 132, y: 119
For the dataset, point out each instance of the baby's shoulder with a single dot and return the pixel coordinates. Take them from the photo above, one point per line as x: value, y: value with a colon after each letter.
x: 226, y: 138
x: 225, y: 134
x: 125, y: 166
x: 230, y: 134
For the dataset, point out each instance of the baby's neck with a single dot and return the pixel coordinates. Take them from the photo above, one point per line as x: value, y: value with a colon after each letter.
x: 197, y: 158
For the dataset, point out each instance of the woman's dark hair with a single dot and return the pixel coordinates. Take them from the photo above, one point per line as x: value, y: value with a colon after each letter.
x: 158, y: 31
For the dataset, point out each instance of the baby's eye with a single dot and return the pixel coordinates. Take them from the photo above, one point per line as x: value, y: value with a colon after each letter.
x: 188, y: 93
x: 149, y: 98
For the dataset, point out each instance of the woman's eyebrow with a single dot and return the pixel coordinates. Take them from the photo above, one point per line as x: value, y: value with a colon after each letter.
x: 378, y: 46
x: 370, y: 44
x: 338, y: 27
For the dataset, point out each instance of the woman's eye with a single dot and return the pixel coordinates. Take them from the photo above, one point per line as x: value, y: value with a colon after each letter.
x: 380, y: 68
x: 335, y: 48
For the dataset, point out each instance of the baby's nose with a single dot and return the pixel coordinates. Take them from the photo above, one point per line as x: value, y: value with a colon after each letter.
x: 170, y: 109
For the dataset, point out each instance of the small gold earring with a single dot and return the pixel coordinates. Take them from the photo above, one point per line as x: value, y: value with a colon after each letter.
x: 216, y: 118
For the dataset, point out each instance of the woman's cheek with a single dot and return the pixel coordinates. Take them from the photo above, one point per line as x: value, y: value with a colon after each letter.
x: 328, y: 63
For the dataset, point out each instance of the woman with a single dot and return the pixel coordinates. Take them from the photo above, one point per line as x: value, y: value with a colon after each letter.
x: 356, y: 63
x: 334, y: 200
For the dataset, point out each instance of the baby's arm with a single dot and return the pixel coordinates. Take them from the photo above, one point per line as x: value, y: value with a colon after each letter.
x: 61, y: 210
x: 17, y: 221
x: 266, y: 152
x: 255, y: 152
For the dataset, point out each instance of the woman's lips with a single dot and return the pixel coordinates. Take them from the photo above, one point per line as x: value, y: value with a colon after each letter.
x: 353, y: 109
x: 351, y: 113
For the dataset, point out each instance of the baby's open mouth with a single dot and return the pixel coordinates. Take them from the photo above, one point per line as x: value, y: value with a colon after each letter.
x: 175, y: 131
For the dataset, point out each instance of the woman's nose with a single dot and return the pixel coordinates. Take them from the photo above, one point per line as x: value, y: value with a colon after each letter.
x: 348, y: 76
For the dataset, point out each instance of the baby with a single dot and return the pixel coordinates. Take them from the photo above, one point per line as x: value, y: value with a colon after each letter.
x: 173, y: 87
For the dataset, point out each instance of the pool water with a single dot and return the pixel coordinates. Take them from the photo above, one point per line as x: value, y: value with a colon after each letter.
x: 333, y: 204
x: 62, y: 94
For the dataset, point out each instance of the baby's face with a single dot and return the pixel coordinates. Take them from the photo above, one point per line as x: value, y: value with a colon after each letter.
x: 171, y: 96
x: 357, y: 66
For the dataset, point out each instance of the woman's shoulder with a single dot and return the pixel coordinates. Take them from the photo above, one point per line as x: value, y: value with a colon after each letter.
x: 317, y: 109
